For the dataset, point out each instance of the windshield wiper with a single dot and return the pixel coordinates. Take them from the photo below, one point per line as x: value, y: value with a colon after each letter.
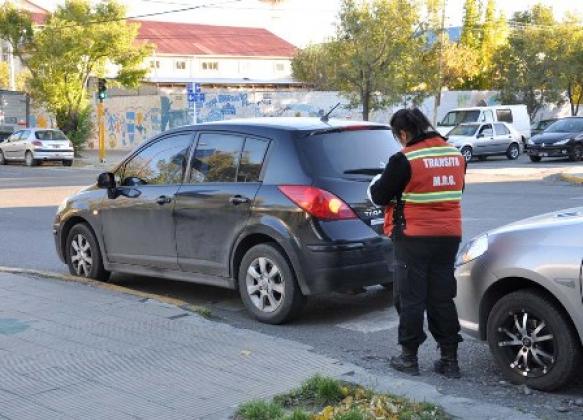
x: 364, y: 171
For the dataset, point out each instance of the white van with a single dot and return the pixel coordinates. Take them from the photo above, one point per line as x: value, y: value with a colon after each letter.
x: 515, y: 115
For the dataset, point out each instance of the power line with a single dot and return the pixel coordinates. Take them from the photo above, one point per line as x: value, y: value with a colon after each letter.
x: 145, y: 15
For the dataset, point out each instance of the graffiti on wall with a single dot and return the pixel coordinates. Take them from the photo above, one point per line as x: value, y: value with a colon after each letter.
x: 130, y: 120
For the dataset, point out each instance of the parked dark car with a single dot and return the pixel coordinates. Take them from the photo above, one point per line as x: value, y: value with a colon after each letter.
x: 275, y: 207
x: 563, y: 138
x: 541, y: 126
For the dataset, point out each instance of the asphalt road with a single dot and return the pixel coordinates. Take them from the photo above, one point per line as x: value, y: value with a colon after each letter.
x: 359, y: 329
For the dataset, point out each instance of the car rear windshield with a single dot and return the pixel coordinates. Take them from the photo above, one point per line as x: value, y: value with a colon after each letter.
x: 464, y: 130
x: 349, y: 153
x: 50, y: 135
x: 567, y: 125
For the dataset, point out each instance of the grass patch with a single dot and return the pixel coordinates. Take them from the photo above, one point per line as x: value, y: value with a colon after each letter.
x: 322, y: 398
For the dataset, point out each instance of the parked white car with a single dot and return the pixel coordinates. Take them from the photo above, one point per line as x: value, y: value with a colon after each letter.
x: 34, y: 145
x: 515, y: 115
x: 486, y: 139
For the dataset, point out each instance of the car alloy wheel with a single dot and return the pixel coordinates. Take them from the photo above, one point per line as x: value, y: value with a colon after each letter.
x: 265, y: 284
x: 513, y: 152
x: 467, y: 153
x: 268, y: 286
x: 530, y: 341
x: 577, y: 153
x: 29, y: 159
x: 81, y: 255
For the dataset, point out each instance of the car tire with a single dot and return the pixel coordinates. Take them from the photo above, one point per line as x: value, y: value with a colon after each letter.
x: 535, y: 159
x: 2, y: 159
x: 67, y: 163
x: 513, y: 151
x: 272, y: 297
x: 29, y: 160
x: 576, y: 154
x: 83, y: 255
x: 467, y: 153
x: 557, y: 340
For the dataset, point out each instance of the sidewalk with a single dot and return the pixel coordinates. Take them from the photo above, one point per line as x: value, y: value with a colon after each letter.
x: 68, y: 350
x: 90, y: 159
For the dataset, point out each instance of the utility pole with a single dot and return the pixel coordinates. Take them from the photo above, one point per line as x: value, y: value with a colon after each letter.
x: 101, y: 94
x: 437, y: 101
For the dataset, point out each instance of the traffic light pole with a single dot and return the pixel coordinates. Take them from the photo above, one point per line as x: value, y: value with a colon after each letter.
x: 101, y: 130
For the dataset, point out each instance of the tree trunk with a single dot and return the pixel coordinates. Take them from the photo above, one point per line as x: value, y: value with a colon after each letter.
x: 365, y: 105
x: 570, y: 95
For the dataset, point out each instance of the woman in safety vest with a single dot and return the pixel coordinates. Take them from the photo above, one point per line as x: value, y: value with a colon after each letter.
x: 422, y: 188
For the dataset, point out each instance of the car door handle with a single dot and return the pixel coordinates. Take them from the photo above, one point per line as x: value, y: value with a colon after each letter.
x: 163, y: 199
x: 238, y: 199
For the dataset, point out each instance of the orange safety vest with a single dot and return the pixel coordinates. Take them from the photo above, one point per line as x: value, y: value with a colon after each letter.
x: 431, y: 199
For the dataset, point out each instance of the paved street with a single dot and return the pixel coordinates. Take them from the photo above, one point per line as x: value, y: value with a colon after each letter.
x: 357, y: 329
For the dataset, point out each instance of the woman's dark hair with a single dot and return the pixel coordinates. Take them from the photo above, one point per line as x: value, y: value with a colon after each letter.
x: 412, y: 121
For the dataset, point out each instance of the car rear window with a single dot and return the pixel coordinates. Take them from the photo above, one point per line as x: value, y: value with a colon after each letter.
x: 50, y: 135
x: 346, y: 153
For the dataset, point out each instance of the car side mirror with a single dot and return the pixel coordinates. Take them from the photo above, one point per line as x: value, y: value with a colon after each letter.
x: 106, y: 180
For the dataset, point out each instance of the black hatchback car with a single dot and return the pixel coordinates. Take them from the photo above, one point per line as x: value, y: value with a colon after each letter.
x: 274, y: 207
x: 563, y: 138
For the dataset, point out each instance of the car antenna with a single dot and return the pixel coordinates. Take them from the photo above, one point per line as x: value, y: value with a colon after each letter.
x: 326, y: 117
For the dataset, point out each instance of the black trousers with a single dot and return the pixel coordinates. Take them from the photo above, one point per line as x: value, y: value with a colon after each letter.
x: 424, y: 281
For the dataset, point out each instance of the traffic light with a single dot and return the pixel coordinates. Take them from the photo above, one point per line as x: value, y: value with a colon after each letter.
x: 101, y: 89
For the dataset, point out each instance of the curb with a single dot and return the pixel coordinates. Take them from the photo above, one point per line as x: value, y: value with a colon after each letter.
x: 200, y: 310
x: 572, y: 178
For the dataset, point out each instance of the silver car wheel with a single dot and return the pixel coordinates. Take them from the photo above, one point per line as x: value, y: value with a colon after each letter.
x: 467, y: 153
x: 514, y: 152
x: 532, y: 350
x: 81, y: 256
x: 265, y: 285
x: 28, y: 159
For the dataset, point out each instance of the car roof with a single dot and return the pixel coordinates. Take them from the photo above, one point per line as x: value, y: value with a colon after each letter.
x: 287, y: 124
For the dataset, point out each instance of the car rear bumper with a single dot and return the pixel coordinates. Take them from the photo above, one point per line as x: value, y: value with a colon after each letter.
x: 347, y: 265
x: 558, y: 151
x: 53, y: 154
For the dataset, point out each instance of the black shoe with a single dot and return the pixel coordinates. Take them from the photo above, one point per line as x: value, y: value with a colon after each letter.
x: 448, y: 365
x: 406, y: 362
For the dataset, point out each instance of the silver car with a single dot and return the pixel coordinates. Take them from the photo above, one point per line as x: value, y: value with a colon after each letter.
x: 486, y: 139
x: 520, y: 288
x: 34, y: 145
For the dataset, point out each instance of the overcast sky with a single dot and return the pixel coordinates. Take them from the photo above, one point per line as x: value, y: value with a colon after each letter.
x: 298, y: 21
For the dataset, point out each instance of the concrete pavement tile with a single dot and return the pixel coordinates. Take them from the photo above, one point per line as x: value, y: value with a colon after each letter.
x: 57, y: 377
x: 26, y: 409
x: 90, y: 398
x: 21, y: 385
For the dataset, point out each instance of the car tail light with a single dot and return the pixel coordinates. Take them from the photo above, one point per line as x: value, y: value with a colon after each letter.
x: 318, y: 203
x: 37, y: 143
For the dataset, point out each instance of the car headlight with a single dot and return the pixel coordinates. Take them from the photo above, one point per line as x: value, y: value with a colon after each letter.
x: 562, y: 142
x: 62, y: 205
x: 472, y: 250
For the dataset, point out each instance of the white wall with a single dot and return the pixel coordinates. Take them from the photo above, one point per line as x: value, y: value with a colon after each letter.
x: 228, y: 67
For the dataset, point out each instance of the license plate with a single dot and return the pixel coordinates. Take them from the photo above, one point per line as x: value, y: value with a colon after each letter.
x: 543, y: 154
x: 376, y: 222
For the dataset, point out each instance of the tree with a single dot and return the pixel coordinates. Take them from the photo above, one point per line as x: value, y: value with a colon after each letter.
x: 4, y: 75
x: 569, y: 58
x: 526, y: 68
x: 372, y: 57
x: 77, y: 42
x: 471, y: 24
